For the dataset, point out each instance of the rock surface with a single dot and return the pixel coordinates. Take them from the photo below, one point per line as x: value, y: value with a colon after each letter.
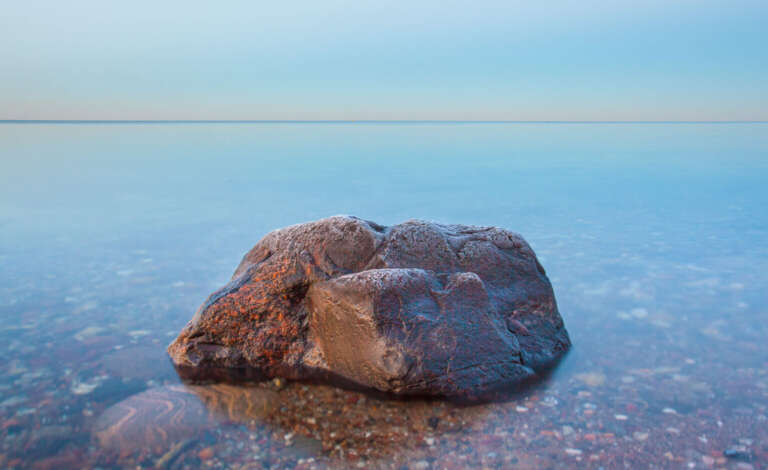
x: 151, y: 420
x: 414, y: 309
x: 154, y: 420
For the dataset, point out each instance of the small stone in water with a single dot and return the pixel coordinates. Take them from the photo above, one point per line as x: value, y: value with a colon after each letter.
x: 88, y: 332
x: 592, y: 379
x: 420, y: 465
x: 80, y: 388
x: 278, y: 383
x: 550, y: 401
x: 639, y: 312
x: 738, y: 453
x: 13, y: 401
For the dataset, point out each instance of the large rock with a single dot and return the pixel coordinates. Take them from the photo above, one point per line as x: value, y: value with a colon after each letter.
x: 417, y: 308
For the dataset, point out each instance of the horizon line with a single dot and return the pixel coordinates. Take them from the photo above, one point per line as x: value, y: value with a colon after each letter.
x: 364, y: 121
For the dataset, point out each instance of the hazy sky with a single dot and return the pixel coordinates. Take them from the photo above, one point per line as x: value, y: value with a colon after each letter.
x: 520, y: 60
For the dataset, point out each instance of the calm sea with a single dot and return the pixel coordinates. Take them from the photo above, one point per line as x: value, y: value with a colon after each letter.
x: 653, y: 235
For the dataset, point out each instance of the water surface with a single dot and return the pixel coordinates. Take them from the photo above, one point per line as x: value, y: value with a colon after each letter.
x: 653, y: 236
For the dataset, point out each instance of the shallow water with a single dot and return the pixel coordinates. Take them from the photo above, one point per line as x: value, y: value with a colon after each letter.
x: 653, y: 236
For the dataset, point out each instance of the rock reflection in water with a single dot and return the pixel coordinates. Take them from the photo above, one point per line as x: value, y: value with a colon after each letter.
x: 314, y: 422
x: 284, y: 425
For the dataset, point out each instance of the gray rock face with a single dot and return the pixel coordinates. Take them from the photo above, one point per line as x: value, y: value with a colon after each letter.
x: 418, y: 308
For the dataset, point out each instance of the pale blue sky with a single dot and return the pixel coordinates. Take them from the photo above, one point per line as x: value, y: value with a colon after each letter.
x: 518, y: 60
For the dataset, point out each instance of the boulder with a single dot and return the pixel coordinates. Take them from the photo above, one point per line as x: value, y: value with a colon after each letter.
x: 415, y: 309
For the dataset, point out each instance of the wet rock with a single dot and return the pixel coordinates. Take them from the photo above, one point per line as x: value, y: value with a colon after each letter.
x: 205, y: 454
x: 417, y: 308
x: 157, y: 419
x: 153, y: 420
x: 741, y: 453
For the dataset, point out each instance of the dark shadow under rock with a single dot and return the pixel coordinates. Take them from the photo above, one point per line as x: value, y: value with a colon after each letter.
x: 414, y: 309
